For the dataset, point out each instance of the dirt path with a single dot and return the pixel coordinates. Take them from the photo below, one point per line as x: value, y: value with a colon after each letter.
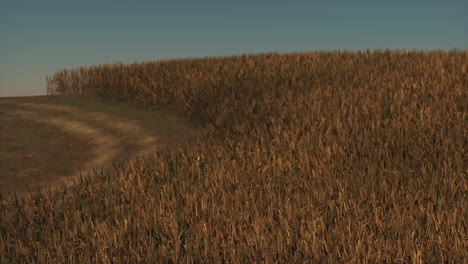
x: 48, y: 142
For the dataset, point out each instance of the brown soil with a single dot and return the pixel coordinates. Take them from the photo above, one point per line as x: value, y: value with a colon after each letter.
x: 47, y: 142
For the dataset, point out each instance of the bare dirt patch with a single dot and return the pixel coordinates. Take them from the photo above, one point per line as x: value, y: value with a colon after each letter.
x: 38, y: 133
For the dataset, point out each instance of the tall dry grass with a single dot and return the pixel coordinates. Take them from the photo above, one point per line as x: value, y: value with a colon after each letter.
x: 328, y: 157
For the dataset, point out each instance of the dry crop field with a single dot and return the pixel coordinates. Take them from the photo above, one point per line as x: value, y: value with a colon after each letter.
x: 321, y: 157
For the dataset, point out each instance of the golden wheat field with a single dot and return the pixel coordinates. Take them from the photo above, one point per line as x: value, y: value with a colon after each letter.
x: 319, y: 157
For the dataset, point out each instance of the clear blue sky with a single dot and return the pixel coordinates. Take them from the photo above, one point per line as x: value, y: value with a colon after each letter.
x: 41, y: 37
